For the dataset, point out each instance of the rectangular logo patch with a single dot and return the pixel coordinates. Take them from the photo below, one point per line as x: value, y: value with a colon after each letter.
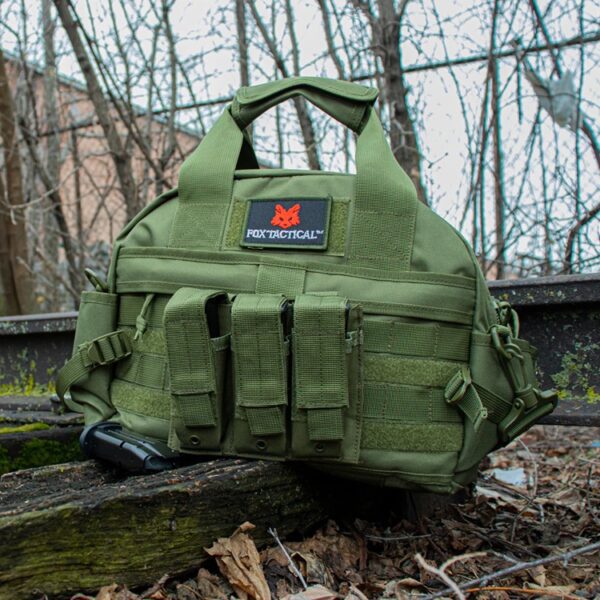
x: 300, y: 223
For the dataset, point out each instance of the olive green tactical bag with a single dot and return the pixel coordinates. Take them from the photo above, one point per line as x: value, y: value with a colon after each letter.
x: 304, y: 315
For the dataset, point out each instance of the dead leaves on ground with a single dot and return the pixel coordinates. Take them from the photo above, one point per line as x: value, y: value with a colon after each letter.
x: 539, y: 497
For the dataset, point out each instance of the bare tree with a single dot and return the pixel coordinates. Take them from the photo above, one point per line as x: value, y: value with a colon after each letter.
x: 306, y: 125
x: 52, y: 141
x: 386, y: 28
x: 499, y: 196
x: 16, y: 276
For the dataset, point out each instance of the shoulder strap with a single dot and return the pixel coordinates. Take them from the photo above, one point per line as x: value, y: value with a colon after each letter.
x: 104, y: 350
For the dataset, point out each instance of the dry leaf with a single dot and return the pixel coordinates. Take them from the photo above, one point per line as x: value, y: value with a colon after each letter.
x: 355, y: 594
x: 314, y: 592
x: 555, y: 589
x: 339, y: 552
x: 115, y: 592
x: 239, y: 562
x: 313, y: 569
x: 106, y: 592
x: 209, y: 586
x: 408, y: 582
x: 538, y: 574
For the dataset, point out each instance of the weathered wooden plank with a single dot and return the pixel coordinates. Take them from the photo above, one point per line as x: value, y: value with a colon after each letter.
x: 36, y: 409
x: 74, y: 527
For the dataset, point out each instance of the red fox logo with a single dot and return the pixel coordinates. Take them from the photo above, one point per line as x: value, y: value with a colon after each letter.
x: 286, y: 218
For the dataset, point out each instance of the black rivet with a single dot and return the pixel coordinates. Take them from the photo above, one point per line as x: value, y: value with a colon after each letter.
x: 261, y: 445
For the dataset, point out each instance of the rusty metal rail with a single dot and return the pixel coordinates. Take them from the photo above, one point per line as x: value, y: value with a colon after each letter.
x: 559, y: 315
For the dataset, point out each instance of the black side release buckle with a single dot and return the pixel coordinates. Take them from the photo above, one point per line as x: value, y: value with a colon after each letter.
x: 110, y: 442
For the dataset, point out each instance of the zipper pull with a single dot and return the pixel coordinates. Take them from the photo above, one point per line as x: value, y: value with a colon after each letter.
x: 141, y: 323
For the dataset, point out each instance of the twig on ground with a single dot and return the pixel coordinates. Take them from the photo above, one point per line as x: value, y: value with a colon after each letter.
x: 439, y: 573
x: 356, y: 592
x: 564, y: 557
x: 189, y: 590
x: 532, y: 591
x: 400, y: 538
x: 273, y: 533
x: 156, y: 587
x: 456, y: 559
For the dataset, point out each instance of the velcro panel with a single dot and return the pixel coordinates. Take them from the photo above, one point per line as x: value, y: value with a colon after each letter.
x: 140, y: 401
x: 430, y: 437
x: 194, y: 382
x: 260, y: 369
x: 408, y: 371
x: 320, y: 368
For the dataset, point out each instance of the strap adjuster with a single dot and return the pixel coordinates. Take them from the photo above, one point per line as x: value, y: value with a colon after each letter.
x: 106, y: 349
x: 457, y: 386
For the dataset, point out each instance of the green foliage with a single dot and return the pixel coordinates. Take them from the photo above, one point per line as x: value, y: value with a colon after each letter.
x: 573, y: 380
x: 38, y: 453
x: 4, y: 461
x: 24, y: 428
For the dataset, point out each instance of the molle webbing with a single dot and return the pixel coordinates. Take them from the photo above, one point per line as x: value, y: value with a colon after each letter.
x: 260, y: 354
x: 320, y: 367
x: 191, y: 359
x: 429, y: 341
x: 130, y: 307
x: 148, y: 370
x: 272, y: 279
x: 409, y: 404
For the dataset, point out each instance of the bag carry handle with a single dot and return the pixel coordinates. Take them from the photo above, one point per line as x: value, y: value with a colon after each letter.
x: 346, y: 102
x: 385, y: 200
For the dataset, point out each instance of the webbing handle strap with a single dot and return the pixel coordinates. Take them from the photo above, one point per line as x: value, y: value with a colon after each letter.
x: 345, y: 101
x: 320, y: 366
x: 190, y: 356
x: 259, y: 350
x: 101, y: 351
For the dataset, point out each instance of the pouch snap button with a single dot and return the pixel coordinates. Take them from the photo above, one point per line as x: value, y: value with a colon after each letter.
x: 261, y: 445
x: 194, y: 440
x: 320, y: 447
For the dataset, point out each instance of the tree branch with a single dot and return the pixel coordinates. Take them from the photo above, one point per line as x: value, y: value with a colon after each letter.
x: 120, y: 157
x: 521, y: 566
